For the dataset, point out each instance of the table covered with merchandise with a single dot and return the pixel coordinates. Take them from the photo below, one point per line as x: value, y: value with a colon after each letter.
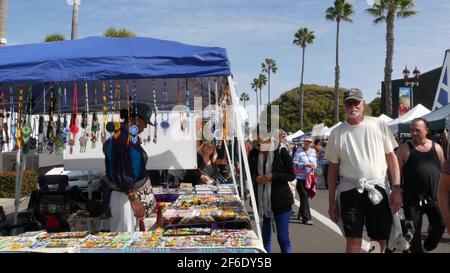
x: 177, y: 240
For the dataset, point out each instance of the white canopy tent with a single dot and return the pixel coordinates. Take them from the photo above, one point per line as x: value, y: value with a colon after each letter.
x: 290, y: 137
x: 385, y: 118
x: 328, y: 131
x: 416, y: 112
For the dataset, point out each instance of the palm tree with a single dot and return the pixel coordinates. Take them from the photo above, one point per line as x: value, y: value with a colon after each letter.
x: 340, y: 11
x: 386, y: 11
x: 121, y: 32
x: 244, y: 97
x: 255, y: 87
x: 269, y: 66
x: 262, y: 81
x: 303, y: 37
x: 54, y: 37
x: 3, y: 21
x: 74, y: 34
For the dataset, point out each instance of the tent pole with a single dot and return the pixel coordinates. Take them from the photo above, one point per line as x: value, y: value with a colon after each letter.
x: 232, y: 151
x: 241, y: 178
x: 242, y: 149
x: 230, y: 163
x: 18, y: 187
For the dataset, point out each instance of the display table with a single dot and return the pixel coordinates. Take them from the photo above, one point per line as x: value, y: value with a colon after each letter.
x: 220, y: 211
x: 158, y: 241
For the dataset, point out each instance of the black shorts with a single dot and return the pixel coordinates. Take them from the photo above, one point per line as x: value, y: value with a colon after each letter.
x: 357, y: 210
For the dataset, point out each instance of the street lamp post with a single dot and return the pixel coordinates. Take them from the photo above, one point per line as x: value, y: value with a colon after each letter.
x: 414, y: 82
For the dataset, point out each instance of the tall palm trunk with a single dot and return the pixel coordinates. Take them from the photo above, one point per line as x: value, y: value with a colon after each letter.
x: 337, y: 75
x: 301, y: 90
x: 389, y: 57
x: 257, y: 113
x: 3, y: 21
x: 268, y: 86
x: 74, y: 34
x: 260, y: 99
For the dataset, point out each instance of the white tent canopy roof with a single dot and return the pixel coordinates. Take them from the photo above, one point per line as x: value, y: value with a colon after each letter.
x: 289, y: 138
x: 416, y: 112
x: 328, y: 131
x: 385, y: 118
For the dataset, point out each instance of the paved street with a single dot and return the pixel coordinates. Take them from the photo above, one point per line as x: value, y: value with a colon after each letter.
x: 321, y: 237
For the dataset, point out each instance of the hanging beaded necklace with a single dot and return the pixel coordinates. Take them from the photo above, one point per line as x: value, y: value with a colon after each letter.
x: 155, y: 122
x: 74, y: 118
x: 95, y: 124
x: 188, y: 111
x: 165, y: 115
x: 84, y: 121
x: 133, y: 128
x: 4, y: 124
x: 182, y: 115
x: 2, y: 117
x: 59, y: 141
x: 65, y: 134
x: 50, y: 126
x: 26, y: 130
x: 11, y: 118
x: 115, y: 109
x: 105, y: 111
x: 19, y: 118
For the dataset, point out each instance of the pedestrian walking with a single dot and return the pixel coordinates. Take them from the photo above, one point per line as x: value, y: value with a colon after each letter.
x: 305, y: 162
x: 361, y: 150
x: 420, y: 161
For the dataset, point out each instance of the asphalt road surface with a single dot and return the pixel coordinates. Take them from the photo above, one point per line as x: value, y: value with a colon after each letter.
x: 324, y: 236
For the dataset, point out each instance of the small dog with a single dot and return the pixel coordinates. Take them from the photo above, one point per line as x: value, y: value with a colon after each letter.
x: 403, y: 243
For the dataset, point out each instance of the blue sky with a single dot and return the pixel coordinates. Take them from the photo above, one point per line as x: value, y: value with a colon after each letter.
x: 252, y: 30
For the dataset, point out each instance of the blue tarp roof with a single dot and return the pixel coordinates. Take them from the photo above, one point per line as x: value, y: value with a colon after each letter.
x: 99, y: 58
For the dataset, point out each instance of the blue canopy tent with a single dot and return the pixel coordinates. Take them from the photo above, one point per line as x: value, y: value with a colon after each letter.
x: 104, y: 58
x: 101, y: 58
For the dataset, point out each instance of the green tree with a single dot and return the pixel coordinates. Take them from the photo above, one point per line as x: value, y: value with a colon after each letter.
x: 269, y: 66
x: 121, y: 32
x: 340, y: 11
x: 3, y: 21
x: 387, y: 11
x: 56, y: 37
x: 375, y: 105
x: 244, y: 97
x: 303, y: 37
x: 319, y: 107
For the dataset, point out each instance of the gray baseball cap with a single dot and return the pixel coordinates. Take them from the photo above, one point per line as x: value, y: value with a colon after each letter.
x: 353, y: 94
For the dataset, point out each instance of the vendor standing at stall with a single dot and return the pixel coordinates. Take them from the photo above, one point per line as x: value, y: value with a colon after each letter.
x: 127, y: 188
x: 207, y: 170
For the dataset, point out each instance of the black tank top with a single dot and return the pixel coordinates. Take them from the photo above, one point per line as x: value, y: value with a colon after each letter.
x: 421, y: 174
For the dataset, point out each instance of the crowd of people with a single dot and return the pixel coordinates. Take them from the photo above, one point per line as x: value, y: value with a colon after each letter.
x: 369, y: 177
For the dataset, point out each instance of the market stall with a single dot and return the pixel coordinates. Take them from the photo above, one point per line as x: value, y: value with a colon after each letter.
x: 49, y: 79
